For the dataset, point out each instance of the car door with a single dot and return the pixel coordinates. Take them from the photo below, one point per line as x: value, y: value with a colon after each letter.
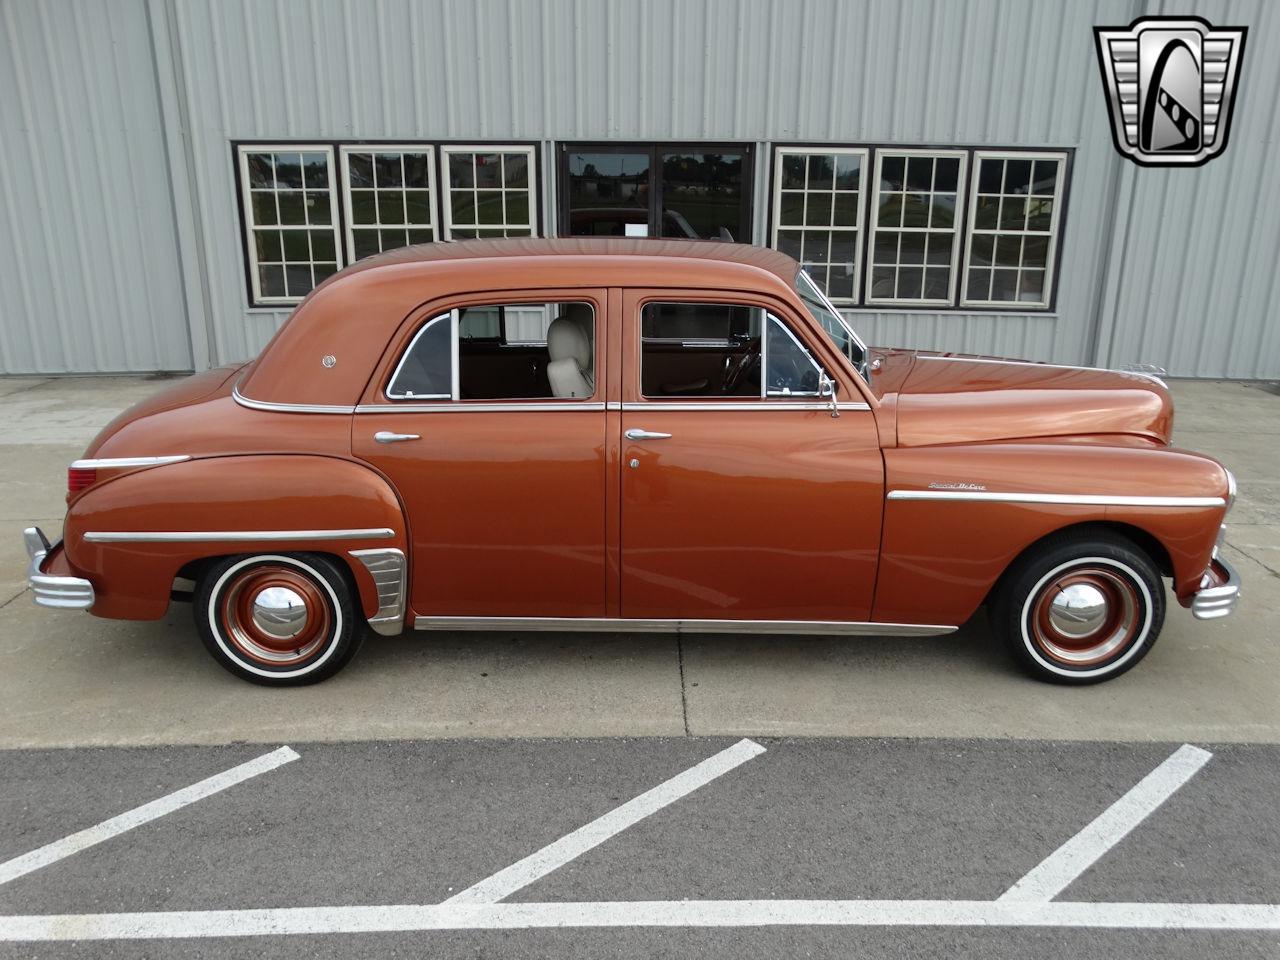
x: 742, y: 497
x: 502, y: 474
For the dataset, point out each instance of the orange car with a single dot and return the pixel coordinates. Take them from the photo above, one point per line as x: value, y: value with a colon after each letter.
x: 637, y: 435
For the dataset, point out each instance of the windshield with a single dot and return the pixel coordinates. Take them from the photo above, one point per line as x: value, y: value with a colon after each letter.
x: 828, y: 316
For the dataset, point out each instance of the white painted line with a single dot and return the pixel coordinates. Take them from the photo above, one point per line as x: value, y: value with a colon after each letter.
x: 523, y: 872
x: 653, y: 913
x: 1058, y: 870
x: 60, y: 849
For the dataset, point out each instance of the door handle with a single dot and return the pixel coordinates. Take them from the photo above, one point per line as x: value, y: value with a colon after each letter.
x: 638, y: 434
x: 386, y: 436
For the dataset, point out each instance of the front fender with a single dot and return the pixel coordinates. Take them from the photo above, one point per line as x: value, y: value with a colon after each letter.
x: 231, y: 505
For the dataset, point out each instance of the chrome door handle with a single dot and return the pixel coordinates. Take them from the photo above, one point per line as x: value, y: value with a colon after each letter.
x: 638, y: 434
x: 386, y: 436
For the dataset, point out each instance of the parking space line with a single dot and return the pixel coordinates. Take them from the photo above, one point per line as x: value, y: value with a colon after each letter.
x: 61, y: 849
x: 537, y: 865
x: 1058, y: 870
x: 654, y: 913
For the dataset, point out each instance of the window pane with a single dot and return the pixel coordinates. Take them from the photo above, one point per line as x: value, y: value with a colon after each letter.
x: 264, y: 208
x: 791, y: 209
x: 845, y: 213
x: 271, y: 280
x: 489, y: 206
x: 426, y: 370
x: 390, y: 206
x: 990, y: 176
x: 522, y: 351
x: 289, y: 170
x: 607, y: 191
x: 821, y: 171
x: 462, y: 170
x: 517, y: 206
x: 791, y: 370
x: 366, y: 243
x: 363, y: 207
x: 488, y: 170
x: 1017, y: 176
x: 793, y: 171
x: 269, y: 245
x: 318, y: 212
x: 315, y: 168
x: 417, y: 206
x: 262, y: 170
x: 700, y: 350
x: 360, y: 169
x: 702, y: 195
x: 322, y: 245
x: 848, y: 171
x: 463, y: 206
x: 516, y: 170
x: 293, y: 209
x: 1044, y: 179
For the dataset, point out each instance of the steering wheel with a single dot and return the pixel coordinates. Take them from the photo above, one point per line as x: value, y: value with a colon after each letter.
x: 734, y: 373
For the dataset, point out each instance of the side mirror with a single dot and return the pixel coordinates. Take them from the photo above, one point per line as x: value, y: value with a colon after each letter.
x: 827, y: 388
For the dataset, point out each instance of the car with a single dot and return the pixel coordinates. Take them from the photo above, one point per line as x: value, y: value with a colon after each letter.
x: 634, y: 435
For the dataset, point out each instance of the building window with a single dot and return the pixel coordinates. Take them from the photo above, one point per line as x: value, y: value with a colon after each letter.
x: 1013, y: 228
x: 817, y: 214
x: 490, y: 192
x: 389, y: 198
x: 915, y: 219
x: 290, y: 218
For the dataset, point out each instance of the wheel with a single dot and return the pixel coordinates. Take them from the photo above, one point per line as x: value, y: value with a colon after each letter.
x: 279, y: 619
x: 1081, y: 608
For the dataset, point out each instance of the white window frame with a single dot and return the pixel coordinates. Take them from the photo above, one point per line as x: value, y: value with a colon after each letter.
x: 242, y: 156
x: 446, y: 202
x: 857, y: 229
x: 957, y: 230
x: 1051, y: 254
x: 344, y: 155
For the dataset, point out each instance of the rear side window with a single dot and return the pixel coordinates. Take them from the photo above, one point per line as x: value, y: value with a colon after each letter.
x: 515, y: 351
x: 722, y: 350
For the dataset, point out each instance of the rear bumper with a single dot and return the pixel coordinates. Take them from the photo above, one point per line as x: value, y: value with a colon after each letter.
x: 1219, y: 591
x: 63, y: 593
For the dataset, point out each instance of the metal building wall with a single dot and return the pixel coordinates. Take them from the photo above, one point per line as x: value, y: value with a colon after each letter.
x: 89, y: 273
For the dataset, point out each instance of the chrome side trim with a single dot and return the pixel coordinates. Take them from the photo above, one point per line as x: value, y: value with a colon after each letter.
x: 1214, y: 603
x: 271, y: 407
x: 746, y: 406
x: 61, y: 593
x: 842, y: 627
x: 388, y: 569
x: 1052, y: 366
x: 219, y: 536
x: 469, y: 406
x: 1079, y: 499
x: 106, y: 463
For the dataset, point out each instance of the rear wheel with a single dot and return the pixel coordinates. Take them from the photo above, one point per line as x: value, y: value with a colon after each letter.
x: 1081, y: 608
x: 278, y: 619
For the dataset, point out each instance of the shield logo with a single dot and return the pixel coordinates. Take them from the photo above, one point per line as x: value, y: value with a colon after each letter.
x: 1170, y: 85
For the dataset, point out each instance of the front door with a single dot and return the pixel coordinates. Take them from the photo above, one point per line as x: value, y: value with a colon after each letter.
x: 742, y: 497
x: 488, y: 417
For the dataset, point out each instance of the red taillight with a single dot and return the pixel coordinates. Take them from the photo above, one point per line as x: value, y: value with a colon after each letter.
x: 81, y: 478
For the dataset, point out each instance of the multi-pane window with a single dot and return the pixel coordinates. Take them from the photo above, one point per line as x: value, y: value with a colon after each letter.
x: 817, y: 214
x: 915, y: 220
x: 289, y: 213
x: 490, y: 192
x: 1013, y: 225
x: 389, y: 197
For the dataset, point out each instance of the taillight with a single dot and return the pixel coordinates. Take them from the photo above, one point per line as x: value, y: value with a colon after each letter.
x: 81, y: 478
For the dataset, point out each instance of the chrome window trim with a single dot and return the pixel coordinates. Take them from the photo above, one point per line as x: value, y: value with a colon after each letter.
x: 1052, y: 366
x: 746, y: 405
x: 482, y: 406
x: 452, y: 315
x: 204, y: 536
x: 844, y: 627
x: 1070, y: 499
x: 274, y: 407
x: 389, y: 570
x: 107, y: 463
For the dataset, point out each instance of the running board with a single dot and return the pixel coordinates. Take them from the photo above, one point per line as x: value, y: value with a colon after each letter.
x: 850, y: 628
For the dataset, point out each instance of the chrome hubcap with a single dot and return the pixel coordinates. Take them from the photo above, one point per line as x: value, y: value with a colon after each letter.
x: 1078, y: 610
x: 1085, y: 615
x: 280, y: 612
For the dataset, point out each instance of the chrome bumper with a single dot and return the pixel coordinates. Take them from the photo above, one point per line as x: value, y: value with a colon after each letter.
x: 1217, y: 598
x: 64, y: 593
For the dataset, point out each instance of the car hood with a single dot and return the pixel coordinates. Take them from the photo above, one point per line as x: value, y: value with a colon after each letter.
x: 952, y: 398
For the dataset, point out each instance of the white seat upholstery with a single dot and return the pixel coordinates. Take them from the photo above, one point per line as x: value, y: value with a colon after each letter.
x: 569, y: 346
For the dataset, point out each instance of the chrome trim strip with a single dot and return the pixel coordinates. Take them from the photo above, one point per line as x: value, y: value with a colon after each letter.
x: 389, y: 571
x: 843, y: 627
x: 60, y: 593
x: 106, y: 463
x: 1080, y: 499
x: 748, y: 405
x: 219, y: 536
x: 272, y: 407
x: 1214, y: 603
x: 1052, y: 366
x: 476, y: 406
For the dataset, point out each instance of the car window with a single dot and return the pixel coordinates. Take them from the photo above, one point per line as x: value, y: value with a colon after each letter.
x: 721, y: 350
x: 510, y: 351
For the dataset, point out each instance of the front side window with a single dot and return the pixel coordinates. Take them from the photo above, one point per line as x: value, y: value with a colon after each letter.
x: 490, y: 192
x: 291, y: 224
x: 818, y: 214
x: 389, y: 195
x: 515, y: 351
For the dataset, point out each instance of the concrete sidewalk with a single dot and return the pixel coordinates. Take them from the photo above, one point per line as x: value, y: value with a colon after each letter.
x: 69, y: 679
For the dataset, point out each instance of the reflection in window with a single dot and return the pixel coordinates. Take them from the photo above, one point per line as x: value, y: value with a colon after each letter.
x: 490, y: 191
x: 426, y: 369
x: 914, y: 220
x: 702, y: 196
x: 607, y: 192
x: 1013, y: 226
x: 819, y: 213
x: 390, y: 199
x: 288, y: 200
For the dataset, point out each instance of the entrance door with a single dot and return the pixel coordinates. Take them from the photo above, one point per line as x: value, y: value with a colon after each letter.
x: 488, y: 418
x: 742, y: 497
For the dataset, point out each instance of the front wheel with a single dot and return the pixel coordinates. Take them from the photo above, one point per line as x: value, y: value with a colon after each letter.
x: 1081, y: 608
x: 278, y: 619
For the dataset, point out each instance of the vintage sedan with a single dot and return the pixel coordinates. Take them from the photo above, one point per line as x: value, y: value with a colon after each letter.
x: 634, y: 435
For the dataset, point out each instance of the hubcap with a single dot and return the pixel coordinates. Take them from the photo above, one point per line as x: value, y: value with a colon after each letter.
x: 1085, y: 616
x: 275, y: 615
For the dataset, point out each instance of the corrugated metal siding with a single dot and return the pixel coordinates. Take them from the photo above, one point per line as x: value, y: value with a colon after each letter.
x: 1199, y: 256
x: 89, y: 275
